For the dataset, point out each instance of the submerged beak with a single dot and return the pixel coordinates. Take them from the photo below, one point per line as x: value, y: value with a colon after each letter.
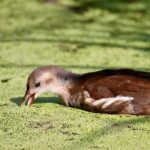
x: 28, y: 98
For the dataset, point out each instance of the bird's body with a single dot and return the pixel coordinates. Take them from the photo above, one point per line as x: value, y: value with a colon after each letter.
x: 114, y: 91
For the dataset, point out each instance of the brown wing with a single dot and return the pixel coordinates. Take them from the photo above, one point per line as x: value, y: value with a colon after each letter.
x: 111, y: 86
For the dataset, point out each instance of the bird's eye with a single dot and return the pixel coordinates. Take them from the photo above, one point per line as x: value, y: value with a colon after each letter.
x: 37, y: 84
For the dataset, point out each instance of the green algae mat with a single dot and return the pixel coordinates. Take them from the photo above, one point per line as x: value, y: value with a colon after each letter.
x: 79, y: 36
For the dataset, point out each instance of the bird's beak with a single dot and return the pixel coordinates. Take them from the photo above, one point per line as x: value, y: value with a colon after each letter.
x: 28, y: 98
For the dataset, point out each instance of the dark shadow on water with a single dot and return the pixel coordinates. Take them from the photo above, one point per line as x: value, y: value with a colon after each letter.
x: 67, y: 67
x: 84, y: 43
x: 115, y: 6
x: 55, y: 100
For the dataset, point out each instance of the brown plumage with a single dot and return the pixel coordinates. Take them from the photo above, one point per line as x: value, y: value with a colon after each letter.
x: 114, y: 91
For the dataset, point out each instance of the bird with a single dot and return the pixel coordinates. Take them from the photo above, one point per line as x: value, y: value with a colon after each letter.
x: 111, y: 91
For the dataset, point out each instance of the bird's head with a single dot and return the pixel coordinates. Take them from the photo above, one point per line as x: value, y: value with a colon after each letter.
x: 44, y: 79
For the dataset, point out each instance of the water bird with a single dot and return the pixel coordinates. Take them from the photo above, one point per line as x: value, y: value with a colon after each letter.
x: 113, y: 91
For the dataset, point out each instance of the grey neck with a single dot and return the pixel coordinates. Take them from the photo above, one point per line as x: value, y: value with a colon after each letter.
x: 66, y: 82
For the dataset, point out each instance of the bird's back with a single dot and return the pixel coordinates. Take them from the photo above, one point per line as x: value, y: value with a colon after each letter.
x: 124, y: 82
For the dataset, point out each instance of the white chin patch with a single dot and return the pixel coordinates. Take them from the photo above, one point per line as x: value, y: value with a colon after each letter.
x: 105, y: 102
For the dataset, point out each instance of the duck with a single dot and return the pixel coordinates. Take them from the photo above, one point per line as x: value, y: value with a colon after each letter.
x: 111, y: 91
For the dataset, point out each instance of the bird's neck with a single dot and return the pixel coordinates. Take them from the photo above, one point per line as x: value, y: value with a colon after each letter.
x: 65, y: 84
